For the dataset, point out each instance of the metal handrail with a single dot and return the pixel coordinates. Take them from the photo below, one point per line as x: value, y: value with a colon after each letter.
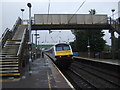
x: 6, y: 35
x: 3, y: 35
x: 26, y: 21
x: 18, y: 22
x: 114, y: 24
x: 22, y: 41
x: 6, y: 30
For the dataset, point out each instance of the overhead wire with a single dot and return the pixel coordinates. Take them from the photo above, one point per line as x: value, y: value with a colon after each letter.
x: 48, y: 11
x: 82, y: 5
x: 77, y: 10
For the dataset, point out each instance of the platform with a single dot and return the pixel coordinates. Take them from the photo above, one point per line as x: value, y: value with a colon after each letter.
x: 44, y: 75
x: 107, y: 61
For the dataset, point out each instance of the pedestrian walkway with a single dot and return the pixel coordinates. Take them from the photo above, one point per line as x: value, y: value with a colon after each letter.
x: 44, y: 75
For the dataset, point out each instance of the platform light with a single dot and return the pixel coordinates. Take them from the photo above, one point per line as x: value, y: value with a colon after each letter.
x: 29, y: 28
x: 113, y: 10
x: 22, y: 14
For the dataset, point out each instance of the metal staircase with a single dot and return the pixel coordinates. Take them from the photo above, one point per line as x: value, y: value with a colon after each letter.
x: 9, y: 62
x: 10, y: 55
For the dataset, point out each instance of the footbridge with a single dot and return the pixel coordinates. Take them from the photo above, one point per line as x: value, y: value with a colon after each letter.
x: 77, y: 21
x: 14, y: 43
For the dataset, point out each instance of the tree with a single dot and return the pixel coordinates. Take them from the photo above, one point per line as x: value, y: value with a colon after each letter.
x: 107, y: 48
x: 95, y: 38
x: 92, y: 11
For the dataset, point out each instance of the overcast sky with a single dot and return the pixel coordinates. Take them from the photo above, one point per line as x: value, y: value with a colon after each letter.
x: 10, y: 10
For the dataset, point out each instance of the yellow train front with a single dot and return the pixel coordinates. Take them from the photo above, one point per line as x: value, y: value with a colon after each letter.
x: 62, y: 54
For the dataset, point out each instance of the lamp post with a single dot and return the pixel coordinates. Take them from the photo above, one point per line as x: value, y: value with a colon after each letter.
x: 113, y: 37
x: 36, y: 34
x: 88, y: 48
x: 30, y: 44
x: 92, y: 12
x: 113, y: 10
x: 22, y: 12
x: 37, y: 47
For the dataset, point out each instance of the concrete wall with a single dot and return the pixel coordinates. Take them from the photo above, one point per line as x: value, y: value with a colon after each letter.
x: 70, y: 19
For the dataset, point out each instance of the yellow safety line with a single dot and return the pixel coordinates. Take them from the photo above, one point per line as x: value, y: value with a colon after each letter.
x: 15, y: 74
x: 23, y: 24
x: 49, y: 85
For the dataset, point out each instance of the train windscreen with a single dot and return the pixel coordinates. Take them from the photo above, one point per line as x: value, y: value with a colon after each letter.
x: 61, y: 48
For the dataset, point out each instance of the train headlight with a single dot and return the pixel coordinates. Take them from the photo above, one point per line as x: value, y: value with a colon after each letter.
x: 68, y: 55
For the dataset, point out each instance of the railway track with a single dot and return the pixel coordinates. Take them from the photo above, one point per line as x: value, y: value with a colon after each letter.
x: 87, y: 76
x: 77, y: 80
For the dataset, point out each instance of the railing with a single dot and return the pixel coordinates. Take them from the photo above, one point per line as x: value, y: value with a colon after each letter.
x: 18, y: 22
x: 114, y: 24
x: 6, y: 30
x: 26, y: 21
x: 22, y: 42
x: 6, y: 35
x: 21, y: 51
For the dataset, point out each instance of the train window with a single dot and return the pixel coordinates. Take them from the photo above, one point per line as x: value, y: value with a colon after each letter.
x: 62, y: 48
x: 58, y: 48
x: 66, y: 48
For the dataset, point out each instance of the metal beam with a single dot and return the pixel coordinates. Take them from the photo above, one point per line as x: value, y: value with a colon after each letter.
x: 70, y: 26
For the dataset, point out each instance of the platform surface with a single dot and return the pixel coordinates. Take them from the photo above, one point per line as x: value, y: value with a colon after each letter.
x: 108, y: 61
x: 44, y: 75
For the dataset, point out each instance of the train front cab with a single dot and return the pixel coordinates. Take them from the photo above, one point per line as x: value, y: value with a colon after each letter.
x: 63, y: 55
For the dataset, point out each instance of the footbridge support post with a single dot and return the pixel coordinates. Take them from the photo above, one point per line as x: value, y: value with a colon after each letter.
x: 112, y: 44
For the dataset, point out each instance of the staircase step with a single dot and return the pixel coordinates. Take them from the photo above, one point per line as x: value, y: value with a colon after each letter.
x: 8, y: 56
x: 6, y: 68
x: 8, y: 71
x: 14, y: 40
x: 10, y: 45
x: 9, y: 65
x: 9, y: 60
x: 2, y: 53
